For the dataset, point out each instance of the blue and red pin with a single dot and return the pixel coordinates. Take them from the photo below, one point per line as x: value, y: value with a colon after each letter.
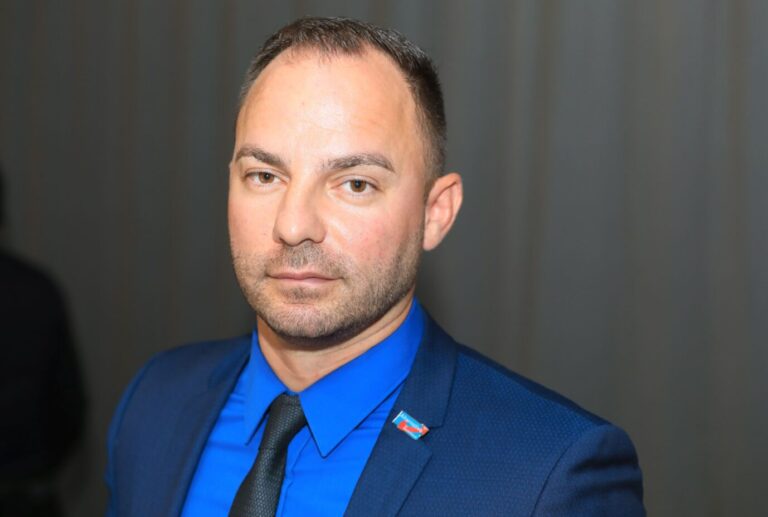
x: 409, y: 425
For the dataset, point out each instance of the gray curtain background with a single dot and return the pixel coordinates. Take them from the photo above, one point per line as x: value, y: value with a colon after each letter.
x: 613, y: 244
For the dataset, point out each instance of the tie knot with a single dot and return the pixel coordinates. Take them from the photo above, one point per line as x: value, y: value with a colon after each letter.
x: 285, y: 419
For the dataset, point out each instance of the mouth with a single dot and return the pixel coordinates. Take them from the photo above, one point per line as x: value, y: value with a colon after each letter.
x: 301, y: 277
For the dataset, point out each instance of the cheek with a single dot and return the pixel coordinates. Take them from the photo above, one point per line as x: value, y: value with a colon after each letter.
x: 354, y: 236
x: 249, y: 225
x: 374, y: 238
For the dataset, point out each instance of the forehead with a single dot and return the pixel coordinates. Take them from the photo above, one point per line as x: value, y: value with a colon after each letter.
x: 352, y: 97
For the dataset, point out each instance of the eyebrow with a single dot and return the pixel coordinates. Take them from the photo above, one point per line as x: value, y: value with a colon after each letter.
x: 358, y: 159
x: 334, y: 164
x: 261, y: 155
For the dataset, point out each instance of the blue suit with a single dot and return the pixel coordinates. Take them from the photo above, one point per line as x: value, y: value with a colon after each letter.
x: 498, y: 444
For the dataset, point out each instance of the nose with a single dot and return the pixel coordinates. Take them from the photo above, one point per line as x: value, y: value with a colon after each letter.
x: 298, y: 217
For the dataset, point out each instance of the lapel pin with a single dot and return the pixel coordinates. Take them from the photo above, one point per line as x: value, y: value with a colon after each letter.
x: 409, y: 425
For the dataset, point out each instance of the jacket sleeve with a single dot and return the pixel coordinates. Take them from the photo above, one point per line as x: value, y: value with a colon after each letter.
x: 597, y: 475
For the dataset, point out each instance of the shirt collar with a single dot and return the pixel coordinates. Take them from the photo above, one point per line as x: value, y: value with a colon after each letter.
x: 337, y: 403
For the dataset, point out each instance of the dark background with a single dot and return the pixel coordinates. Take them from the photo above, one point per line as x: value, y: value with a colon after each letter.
x: 613, y: 243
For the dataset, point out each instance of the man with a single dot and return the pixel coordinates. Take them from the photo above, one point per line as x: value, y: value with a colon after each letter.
x: 347, y: 398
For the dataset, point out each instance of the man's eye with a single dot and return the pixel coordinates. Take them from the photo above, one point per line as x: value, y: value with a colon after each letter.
x: 358, y: 186
x: 264, y: 177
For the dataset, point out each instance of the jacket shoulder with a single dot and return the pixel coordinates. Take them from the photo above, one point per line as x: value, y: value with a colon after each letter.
x: 524, y: 446
x: 145, y: 419
x: 487, y: 384
x: 192, y: 361
x: 170, y: 376
x: 175, y: 373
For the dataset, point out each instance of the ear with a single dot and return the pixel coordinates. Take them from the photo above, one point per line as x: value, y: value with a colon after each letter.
x: 443, y: 204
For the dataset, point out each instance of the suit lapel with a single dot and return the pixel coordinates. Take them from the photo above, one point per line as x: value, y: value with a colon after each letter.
x: 397, y: 461
x: 394, y: 467
x: 194, y: 424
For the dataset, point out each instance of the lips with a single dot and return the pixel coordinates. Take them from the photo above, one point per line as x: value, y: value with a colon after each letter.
x: 300, y: 276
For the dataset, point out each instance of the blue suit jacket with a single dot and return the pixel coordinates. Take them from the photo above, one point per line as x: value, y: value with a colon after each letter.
x: 498, y: 444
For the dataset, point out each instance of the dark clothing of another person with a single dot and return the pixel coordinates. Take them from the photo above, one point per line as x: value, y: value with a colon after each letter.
x: 41, y: 396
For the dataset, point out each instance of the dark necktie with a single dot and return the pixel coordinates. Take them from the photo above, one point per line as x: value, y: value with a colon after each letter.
x: 260, y: 490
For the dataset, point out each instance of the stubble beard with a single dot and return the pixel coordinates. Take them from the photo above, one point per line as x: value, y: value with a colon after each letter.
x: 317, y: 318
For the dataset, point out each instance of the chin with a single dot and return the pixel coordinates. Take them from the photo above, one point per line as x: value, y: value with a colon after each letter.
x: 315, y: 324
x: 310, y: 331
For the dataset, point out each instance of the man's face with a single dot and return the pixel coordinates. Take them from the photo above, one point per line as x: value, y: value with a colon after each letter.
x: 326, y: 196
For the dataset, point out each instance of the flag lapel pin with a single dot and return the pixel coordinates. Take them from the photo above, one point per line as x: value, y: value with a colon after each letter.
x: 409, y: 425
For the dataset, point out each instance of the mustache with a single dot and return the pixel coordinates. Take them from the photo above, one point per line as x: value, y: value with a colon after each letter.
x: 306, y: 255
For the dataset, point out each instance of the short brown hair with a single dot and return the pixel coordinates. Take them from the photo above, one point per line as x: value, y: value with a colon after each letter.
x: 349, y: 36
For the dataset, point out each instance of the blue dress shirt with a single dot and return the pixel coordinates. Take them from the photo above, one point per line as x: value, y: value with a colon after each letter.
x: 345, y: 412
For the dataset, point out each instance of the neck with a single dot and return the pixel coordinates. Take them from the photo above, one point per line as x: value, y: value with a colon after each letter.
x: 300, y: 367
